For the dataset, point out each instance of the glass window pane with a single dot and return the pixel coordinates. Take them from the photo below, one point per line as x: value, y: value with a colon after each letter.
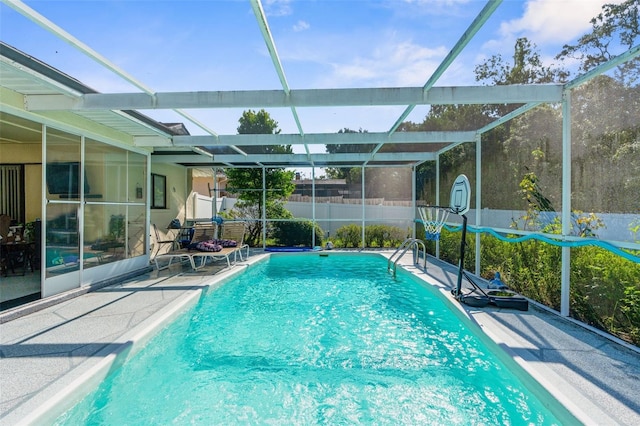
x: 136, y: 241
x: 106, y: 171
x: 159, y: 191
x: 105, y: 231
x: 63, y: 174
x: 63, y: 166
x: 62, y: 239
x: 137, y: 169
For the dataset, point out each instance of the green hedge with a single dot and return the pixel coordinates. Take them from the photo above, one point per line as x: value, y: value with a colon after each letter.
x: 376, y: 236
x: 298, y: 233
x: 605, y: 288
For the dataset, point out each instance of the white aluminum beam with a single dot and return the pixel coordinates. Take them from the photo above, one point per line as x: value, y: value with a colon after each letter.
x: 510, y: 116
x: 507, y: 94
x: 466, y: 37
x: 256, y: 5
x: 287, y: 160
x: 565, y: 271
x: 258, y: 11
x: 602, y: 68
x: 152, y: 141
x: 319, y: 139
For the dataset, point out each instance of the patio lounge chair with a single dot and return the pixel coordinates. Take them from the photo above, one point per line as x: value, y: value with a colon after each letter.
x: 231, y: 232
x: 159, y: 241
x: 235, y: 231
x: 203, y: 231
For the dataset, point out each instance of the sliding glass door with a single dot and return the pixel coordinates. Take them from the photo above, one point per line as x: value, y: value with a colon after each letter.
x: 96, y: 211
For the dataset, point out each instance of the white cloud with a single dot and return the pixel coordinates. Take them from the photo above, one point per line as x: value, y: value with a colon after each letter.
x: 554, y: 21
x: 301, y: 26
x: 391, y: 64
x: 277, y: 7
x: 439, y: 5
x: 438, y: 2
x: 430, y: 9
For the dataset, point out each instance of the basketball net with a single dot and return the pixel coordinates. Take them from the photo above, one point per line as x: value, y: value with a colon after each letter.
x: 433, y: 218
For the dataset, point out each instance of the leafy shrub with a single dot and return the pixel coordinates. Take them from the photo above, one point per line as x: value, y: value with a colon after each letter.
x: 298, y: 233
x: 629, y: 315
x: 383, y: 236
x: 350, y: 236
x: 605, y: 292
x: 450, y: 247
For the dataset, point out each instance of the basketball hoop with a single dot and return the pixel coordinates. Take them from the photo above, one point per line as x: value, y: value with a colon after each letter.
x: 433, y: 218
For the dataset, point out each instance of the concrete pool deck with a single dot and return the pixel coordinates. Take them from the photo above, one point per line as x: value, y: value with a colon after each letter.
x: 49, y: 356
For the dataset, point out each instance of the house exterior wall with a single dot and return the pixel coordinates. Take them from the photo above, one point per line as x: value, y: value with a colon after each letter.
x: 28, y: 151
x: 178, y: 188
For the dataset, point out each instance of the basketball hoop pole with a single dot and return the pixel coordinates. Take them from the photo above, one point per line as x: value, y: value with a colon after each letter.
x: 460, y: 202
x: 461, y: 262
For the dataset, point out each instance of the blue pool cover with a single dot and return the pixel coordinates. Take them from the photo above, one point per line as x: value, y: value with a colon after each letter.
x: 292, y: 249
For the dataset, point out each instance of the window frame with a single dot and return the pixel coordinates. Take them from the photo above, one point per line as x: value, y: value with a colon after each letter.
x: 158, y: 191
x: 13, y: 191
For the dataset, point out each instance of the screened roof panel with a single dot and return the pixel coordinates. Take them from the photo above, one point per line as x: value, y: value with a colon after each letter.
x: 317, y: 68
x: 422, y: 147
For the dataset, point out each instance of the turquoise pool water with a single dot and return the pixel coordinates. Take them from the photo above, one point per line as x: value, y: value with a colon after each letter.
x: 305, y: 339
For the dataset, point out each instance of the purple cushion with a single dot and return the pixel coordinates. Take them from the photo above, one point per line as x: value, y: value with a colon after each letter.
x: 228, y: 243
x: 210, y: 245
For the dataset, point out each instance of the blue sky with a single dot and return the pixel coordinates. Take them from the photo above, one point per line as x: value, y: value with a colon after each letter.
x: 217, y: 45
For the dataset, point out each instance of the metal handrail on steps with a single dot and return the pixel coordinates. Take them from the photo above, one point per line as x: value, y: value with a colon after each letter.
x: 406, y: 245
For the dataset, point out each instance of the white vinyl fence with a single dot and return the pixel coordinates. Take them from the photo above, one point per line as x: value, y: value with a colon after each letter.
x: 331, y: 216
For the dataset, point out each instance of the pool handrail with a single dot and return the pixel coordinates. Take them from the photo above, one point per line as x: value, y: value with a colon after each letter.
x: 406, y: 245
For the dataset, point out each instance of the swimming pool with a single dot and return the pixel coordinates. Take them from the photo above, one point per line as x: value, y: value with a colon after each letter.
x: 309, y: 339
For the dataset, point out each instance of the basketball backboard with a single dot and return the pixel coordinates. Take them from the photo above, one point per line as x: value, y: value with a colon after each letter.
x: 460, y: 200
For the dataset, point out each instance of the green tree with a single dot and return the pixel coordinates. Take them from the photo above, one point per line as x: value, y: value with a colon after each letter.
x: 247, y: 182
x: 533, y: 145
x: 616, y: 29
x: 454, y: 161
x: 351, y: 175
x: 527, y: 67
x: 606, y: 152
x: 605, y: 113
x: 261, y: 123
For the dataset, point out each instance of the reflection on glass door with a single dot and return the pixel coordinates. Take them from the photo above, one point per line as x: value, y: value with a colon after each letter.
x: 63, y: 211
x: 63, y: 238
x: 114, y: 214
